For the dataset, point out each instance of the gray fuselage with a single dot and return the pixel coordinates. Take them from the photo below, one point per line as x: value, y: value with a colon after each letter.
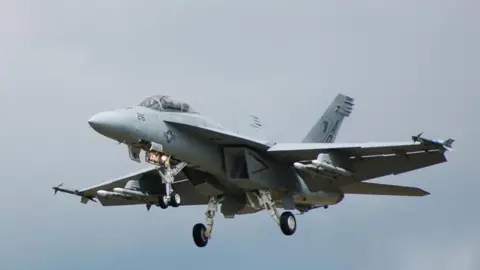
x: 139, y: 123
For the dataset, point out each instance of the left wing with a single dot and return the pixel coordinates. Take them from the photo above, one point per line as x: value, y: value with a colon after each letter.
x: 309, y: 151
x: 148, y: 177
x: 360, y: 161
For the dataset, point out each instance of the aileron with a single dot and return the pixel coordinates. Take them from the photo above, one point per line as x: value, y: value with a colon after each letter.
x: 378, y: 166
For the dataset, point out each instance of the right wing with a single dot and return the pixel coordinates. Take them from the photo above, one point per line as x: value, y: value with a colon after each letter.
x: 148, y: 177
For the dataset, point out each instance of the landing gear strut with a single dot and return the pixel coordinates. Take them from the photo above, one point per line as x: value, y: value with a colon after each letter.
x: 202, y: 233
x: 167, y: 173
x: 286, y: 221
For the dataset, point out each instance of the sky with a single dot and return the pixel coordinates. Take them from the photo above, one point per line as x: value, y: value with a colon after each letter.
x: 412, y: 66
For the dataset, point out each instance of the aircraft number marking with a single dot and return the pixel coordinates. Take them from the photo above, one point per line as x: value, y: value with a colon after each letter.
x: 141, y: 116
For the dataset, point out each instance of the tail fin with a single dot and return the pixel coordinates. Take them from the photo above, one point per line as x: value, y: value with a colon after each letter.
x: 326, y: 128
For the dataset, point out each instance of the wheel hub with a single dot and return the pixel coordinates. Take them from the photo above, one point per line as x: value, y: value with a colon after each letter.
x: 291, y: 222
x: 177, y: 198
x: 203, y: 235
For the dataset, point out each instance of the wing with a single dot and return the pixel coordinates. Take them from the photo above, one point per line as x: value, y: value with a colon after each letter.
x: 308, y: 151
x: 382, y: 189
x: 221, y: 137
x: 147, y: 178
x: 360, y: 161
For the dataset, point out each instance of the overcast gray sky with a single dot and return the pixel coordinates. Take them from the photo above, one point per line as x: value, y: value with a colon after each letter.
x: 412, y: 66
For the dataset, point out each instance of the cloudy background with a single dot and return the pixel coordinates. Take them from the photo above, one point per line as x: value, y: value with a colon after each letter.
x: 412, y: 66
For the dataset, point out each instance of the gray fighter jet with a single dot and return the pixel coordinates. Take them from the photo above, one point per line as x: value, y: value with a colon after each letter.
x: 196, y: 161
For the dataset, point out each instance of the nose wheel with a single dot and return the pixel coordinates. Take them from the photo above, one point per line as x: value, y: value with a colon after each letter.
x: 174, y: 200
x: 167, y: 173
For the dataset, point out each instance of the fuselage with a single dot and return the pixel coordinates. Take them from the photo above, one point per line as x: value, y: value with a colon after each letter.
x: 131, y: 125
x: 139, y: 123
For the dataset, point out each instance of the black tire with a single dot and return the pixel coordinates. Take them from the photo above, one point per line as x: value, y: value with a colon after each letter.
x: 288, y: 223
x: 199, y: 236
x: 161, y: 203
x: 175, y: 199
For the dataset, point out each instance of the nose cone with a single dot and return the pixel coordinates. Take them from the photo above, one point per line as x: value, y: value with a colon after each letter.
x: 112, y: 124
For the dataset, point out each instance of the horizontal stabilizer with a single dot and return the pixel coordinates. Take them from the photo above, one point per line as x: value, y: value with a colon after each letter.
x: 382, y: 189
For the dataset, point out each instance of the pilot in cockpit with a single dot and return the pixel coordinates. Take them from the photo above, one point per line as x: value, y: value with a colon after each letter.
x: 166, y: 103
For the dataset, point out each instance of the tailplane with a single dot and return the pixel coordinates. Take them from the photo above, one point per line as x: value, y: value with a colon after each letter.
x: 326, y: 128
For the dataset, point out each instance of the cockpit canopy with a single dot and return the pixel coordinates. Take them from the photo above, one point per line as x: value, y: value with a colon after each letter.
x: 166, y: 104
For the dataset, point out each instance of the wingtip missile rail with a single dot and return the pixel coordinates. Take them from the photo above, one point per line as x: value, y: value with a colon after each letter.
x: 73, y: 192
x: 447, y: 144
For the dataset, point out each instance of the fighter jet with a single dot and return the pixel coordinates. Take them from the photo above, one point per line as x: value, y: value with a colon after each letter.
x: 196, y: 161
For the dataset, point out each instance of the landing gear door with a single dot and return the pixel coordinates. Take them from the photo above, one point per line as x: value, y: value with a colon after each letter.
x: 134, y: 153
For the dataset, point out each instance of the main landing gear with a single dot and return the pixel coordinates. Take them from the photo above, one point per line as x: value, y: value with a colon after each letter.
x: 202, y: 233
x: 167, y: 173
x: 286, y: 221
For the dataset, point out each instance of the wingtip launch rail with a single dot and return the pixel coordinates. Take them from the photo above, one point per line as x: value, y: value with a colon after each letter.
x: 84, y: 199
x: 447, y: 144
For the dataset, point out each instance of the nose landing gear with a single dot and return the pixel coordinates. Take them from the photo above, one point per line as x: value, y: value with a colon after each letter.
x: 167, y: 173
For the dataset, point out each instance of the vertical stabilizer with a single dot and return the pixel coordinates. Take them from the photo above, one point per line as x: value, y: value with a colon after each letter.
x: 326, y: 128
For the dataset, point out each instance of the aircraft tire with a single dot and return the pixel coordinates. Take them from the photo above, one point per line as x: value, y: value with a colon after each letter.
x: 288, y: 223
x: 199, y: 237
x: 175, y: 199
x: 162, y: 202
